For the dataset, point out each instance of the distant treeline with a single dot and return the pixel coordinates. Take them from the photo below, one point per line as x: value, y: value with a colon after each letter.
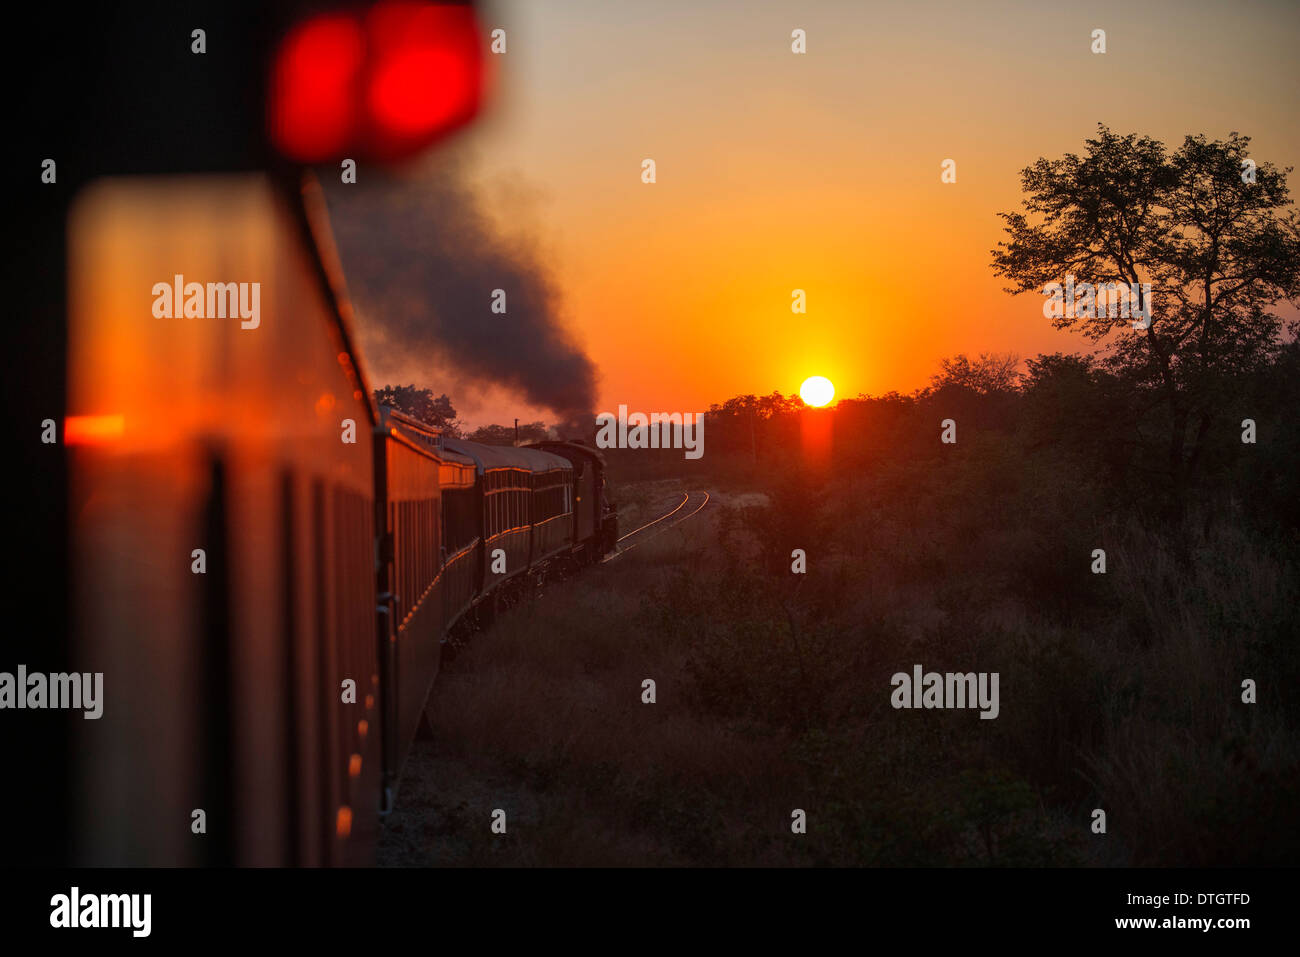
x: 438, y: 410
x: 1069, y: 415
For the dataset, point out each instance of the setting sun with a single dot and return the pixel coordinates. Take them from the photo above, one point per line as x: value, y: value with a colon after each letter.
x: 817, y: 390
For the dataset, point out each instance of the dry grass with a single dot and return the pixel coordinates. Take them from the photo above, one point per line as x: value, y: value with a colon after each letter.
x: 542, y: 716
x: 1119, y: 691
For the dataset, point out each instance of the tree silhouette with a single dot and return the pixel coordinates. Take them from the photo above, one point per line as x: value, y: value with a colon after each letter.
x: 420, y: 404
x: 505, y: 434
x: 1204, y: 226
x: 990, y: 373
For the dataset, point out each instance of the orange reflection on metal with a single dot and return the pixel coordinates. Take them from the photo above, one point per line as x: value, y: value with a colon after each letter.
x: 370, y: 701
x: 325, y: 403
x: 344, y: 824
x: 354, y: 766
x: 362, y: 727
x: 91, y: 429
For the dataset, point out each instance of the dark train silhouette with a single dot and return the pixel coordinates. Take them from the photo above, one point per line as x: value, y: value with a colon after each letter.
x: 262, y: 563
x: 461, y: 523
x: 250, y: 532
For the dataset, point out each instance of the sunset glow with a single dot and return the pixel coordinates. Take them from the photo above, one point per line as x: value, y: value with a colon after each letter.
x: 893, y: 260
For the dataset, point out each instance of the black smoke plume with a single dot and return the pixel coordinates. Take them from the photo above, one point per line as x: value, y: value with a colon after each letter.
x: 422, y: 258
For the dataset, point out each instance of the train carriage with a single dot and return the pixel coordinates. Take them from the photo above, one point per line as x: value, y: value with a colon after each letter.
x: 221, y: 497
x: 421, y: 586
x: 526, y: 501
x: 595, y: 520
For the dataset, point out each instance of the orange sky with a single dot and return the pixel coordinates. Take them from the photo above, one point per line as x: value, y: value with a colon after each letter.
x: 822, y: 171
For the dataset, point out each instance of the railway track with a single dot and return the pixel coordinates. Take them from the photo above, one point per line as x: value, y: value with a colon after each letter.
x: 691, y: 504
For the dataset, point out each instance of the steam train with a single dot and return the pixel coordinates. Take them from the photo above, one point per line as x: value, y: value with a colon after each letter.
x: 267, y: 563
x: 261, y: 562
x: 504, y: 514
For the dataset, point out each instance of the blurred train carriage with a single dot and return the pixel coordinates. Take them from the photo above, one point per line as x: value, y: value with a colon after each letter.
x: 222, y: 531
x: 263, y: 564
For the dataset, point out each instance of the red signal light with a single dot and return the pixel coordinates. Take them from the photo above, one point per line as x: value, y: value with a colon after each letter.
x: 380, y: 85
x: 313, y: 104
x: 427, y: 73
